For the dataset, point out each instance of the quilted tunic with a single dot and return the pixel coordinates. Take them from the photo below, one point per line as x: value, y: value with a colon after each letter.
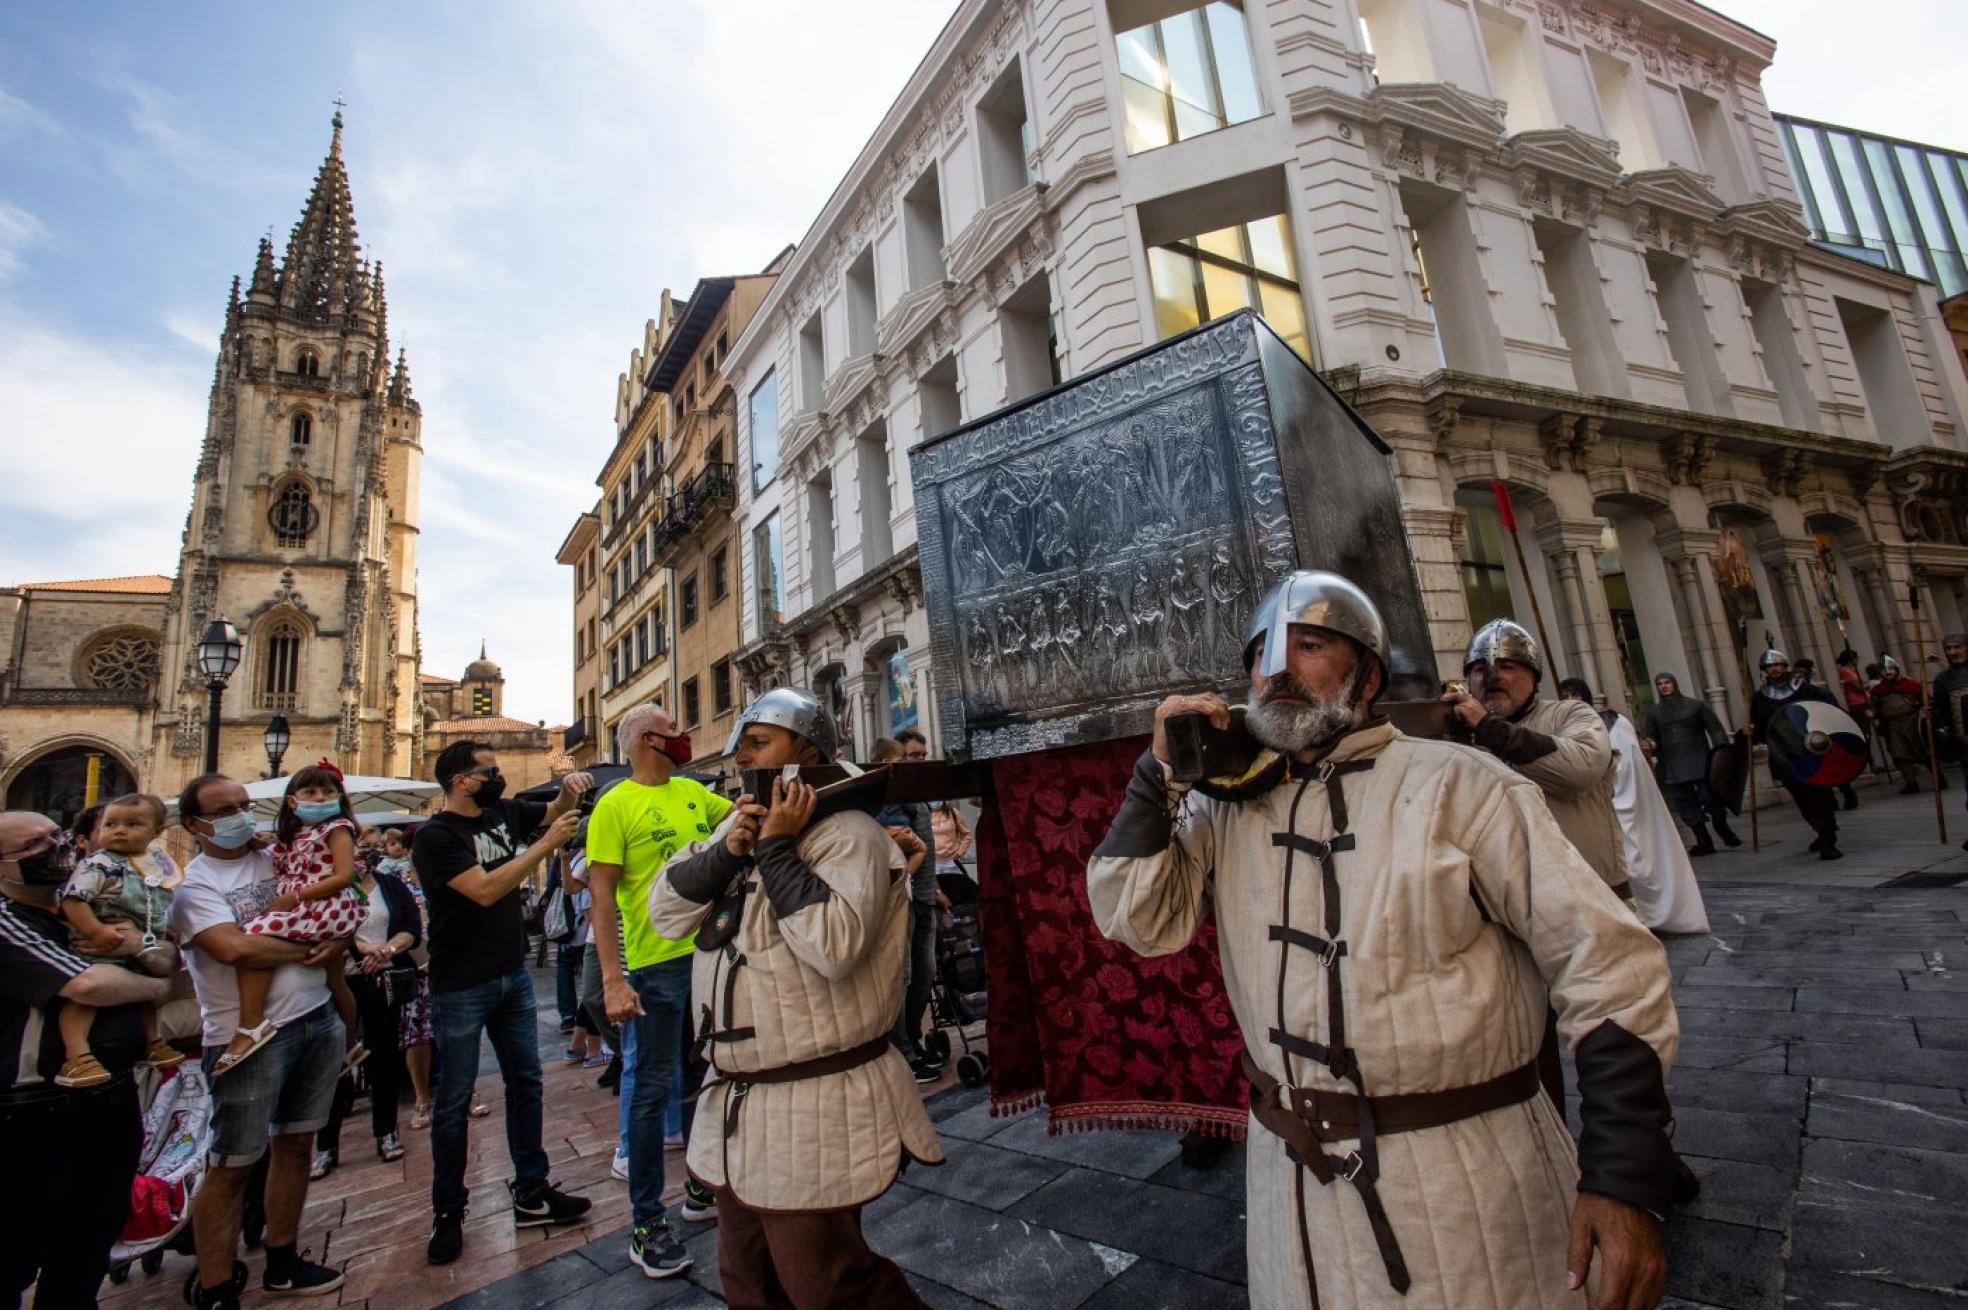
x: 1462, y: 911
x: 1563, y: 747
x: 821, y: 980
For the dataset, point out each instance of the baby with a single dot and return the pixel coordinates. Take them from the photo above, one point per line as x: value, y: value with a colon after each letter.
x: 126, y: 882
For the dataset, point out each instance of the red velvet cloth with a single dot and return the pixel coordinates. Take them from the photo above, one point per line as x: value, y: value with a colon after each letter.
x: 1107, y: 1038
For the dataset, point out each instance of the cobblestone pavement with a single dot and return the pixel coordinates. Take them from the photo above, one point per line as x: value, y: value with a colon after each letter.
x: 1819, y: 1095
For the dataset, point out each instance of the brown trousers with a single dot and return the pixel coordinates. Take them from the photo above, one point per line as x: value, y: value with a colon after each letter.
x: 803, y: 1261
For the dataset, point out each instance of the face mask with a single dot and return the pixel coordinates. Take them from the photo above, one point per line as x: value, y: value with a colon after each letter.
x: 317, y: 811
x: 49, y: 868
x: 233, y: 831
x: 490, y: 789
x: 677, y: 748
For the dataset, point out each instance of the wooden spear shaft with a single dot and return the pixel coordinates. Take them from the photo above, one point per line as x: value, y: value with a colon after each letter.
x: 1749, y: 736
x: 1927, y: 709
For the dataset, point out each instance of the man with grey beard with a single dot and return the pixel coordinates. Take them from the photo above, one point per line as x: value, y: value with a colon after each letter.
x: 1374, y: 911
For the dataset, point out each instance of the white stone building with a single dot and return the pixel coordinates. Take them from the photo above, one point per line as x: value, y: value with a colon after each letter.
x: 1554, y: 245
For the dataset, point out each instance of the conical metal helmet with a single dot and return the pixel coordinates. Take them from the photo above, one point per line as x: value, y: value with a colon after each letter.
x: 797, y: 711
x: 1888, y: 665
x: 1504, y: 639
x: 1317, y: 599
x: 1772, y: 656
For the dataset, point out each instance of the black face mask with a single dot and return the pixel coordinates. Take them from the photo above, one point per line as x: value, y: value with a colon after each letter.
x: 49, y: 868
x: 490, y: 789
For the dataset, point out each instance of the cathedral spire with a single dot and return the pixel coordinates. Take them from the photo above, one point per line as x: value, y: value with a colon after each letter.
x: 318, y: 275
x: 399, y: 387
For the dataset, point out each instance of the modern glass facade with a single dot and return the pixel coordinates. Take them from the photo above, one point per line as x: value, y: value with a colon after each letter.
x: 1893, y: 203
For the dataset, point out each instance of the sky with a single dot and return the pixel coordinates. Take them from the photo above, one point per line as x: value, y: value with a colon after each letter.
x: 532, y: 175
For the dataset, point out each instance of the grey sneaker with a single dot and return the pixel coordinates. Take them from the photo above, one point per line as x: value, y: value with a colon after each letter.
x: 700, y: 1204
x: 654, y: 1249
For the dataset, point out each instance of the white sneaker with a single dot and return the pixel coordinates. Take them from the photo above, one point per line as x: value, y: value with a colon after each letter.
x: 620, y: 1166
x: 672, y: 1140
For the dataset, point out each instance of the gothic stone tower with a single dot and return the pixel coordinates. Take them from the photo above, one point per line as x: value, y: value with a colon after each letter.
x: 303, y: 523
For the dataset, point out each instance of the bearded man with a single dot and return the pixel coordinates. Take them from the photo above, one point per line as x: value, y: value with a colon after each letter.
x: 1390, y: 966
x: 1560, y: 745
x: 1816, y: 804
x: 810, y: 1110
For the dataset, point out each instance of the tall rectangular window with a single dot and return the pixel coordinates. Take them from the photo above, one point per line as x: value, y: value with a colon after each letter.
x: 871, y: 481
x: 936, y: 396
x: 768, y: 561
x: 687, y: 601
x: 860, y: 286
x: 642, y: 641
x: 1031, y: 358
x: 1004, y: 136
x: 1579, y: 303
x: 1247, y: 265
x: 720, y: 573
x: 764, y: 408
x: 813, y: 364
x: 1485, y: 577
x: 1184, y: 74
x: 721, y: 687
x: 691, y: 702
x: 1781, y: 360
x: 1690, y: 339
x: 1898, y: 418
x: 922, y: 230
x: 820, y: 537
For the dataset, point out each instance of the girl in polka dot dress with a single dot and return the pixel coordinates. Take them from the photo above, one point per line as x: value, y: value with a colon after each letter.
x: 316, y: 901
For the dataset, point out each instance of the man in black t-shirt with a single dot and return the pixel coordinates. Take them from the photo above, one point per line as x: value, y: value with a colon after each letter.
x: 473, y: 858
x: 70, y: 1151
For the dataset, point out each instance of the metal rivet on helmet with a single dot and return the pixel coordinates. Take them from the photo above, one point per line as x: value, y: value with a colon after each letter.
x: 1317, y: 599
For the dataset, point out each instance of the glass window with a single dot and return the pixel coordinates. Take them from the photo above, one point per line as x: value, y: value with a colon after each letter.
x: 1245, y: 266
x: 899, y: 690
x: 642, y: 642
x: 720, y: 574
x: 1933, y: 225
x: 721, y: 687
x: 768, y: 561
x: 293, y: 516
x: 280, y: 666
x: 1852, y: 172
x: 765, y: 432
x: 1187, y: 74
x: 690, y: 703
x: 687, y: 602
x: 1906, y: 254
x: 1485, y: 580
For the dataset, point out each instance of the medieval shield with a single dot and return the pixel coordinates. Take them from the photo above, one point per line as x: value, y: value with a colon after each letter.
x: 1815, y: 744
x: 1728, y: 772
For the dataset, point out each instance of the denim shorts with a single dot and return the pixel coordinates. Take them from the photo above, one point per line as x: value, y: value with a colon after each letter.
x: 287, y: 1086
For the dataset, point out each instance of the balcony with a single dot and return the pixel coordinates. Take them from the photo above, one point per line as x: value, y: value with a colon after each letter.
x: 705, y: 493
x: 576, y: 733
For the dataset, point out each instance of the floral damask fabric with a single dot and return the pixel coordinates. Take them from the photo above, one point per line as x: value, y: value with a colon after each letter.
x: 1106, y: 1037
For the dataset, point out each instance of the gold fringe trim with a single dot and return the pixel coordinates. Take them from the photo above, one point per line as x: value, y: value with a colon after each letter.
x: 1221, y: 1121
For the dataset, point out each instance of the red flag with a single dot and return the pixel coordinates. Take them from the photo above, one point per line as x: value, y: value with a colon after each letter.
x: 1503, y: 506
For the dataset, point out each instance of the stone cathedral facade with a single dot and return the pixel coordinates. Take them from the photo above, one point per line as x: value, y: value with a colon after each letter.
x: 302, y: 531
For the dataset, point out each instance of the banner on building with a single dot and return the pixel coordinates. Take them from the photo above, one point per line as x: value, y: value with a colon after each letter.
x: 1734, y: 578
x: 1824, y: 581
x: 899, y: 688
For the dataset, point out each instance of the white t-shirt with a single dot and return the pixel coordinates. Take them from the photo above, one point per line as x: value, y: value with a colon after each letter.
x: 218, y: 891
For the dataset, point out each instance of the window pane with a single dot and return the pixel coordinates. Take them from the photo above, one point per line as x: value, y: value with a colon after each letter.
x: 1906, y: 257
x: 1136, y: 51
x: 1224, y: 290
x: 1810, y: 148
x: 1933, y: 225
x: 1235, y: 75
x: 1852, y: 170
x: 765, y: 432
x: 1225, y: 241
x: 1147, y: 115
x: 1285, y: 312
x: 1190, y: 82
x: 1271, y: 248
x: 1173, y: 276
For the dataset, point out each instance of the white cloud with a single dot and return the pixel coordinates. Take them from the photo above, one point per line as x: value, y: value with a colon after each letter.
x: 19, y: 231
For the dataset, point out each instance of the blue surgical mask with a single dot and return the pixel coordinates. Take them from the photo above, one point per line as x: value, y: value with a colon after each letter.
x: 317, y: 811
x: 233, y: 832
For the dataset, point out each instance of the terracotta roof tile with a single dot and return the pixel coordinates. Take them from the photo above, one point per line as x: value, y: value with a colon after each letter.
x: 485, y: 723
x: 141, y: 584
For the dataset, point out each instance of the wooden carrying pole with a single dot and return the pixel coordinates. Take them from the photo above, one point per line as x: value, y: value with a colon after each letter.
x: 1927, y: 709
x: 1509, y: 520
x: 1749, y: 735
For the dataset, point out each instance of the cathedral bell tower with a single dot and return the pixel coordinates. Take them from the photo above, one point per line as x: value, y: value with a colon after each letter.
x: 303, y: 523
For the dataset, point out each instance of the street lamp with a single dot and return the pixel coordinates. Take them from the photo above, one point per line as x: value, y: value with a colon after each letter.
x: 277, y: 737
x: 218, y: 656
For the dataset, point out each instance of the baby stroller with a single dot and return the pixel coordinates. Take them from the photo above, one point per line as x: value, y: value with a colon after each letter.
x: 177, y: 1129
x: 956, y: 998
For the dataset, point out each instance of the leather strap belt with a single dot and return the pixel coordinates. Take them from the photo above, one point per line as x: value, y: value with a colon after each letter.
x: 1335, y: 1116
x: 1306, y: 1118
x: 799, y: 1071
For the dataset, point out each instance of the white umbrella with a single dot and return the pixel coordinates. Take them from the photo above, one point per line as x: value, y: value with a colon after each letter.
x: 368, y: 795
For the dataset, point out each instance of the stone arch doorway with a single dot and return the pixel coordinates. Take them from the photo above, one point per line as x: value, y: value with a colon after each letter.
x: 62, y: 781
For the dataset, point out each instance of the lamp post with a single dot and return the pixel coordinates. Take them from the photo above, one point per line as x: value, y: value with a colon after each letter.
x: 218, y: 656
x: 277, y: 737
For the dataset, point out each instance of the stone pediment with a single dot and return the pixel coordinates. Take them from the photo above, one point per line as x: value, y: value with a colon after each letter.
x: 1566, y: 152
x: 912, y: 315
x: 1439, y: 109
x: 1675, y: 189
x: 1767, y: 220
x: 800, y: 432
x: 991, y: 232
x: 850, y: 379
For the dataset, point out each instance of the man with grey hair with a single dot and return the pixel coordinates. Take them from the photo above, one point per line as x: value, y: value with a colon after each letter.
x: 645, y: 977
x: 1390, y: 967
x: 72, y: 1150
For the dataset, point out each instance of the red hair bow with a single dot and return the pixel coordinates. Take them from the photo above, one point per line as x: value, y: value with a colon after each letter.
x: 328, y: 765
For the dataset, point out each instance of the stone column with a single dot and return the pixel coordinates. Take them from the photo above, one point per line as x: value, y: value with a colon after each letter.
x: 1432, y: 536
x: 1571, y: 549
x: 1689, y: 554
x: 1788, y: 562
x: 862, y: 725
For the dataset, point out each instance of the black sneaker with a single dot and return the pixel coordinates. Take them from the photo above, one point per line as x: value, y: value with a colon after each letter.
x: 447, y: 1239
x: 700, y: 1204
x: 542, y: 1205
x: 300, y: 1277
x: 654, y: 1249
x: 924, y: 1071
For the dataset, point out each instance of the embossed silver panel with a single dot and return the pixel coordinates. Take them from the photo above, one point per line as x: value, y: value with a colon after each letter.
x: 1088, y: 551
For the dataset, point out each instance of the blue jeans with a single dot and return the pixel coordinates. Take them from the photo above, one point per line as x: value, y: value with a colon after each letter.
x: 502, y: 1009
x: 664, y: 990
x: 672, y: 1108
